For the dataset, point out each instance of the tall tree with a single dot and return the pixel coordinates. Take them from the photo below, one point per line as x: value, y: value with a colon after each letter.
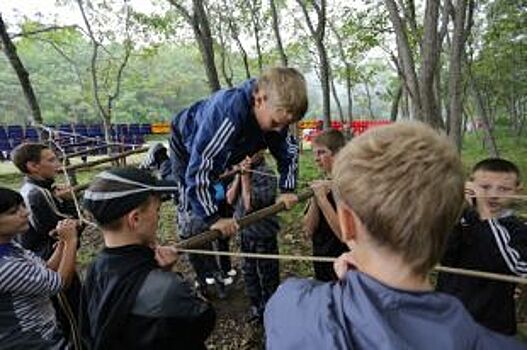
x: 462, y: 13
x: 255, y: 8
x: 276, y: 31
x: 23, y: 76
x: 198, y: 20
x: 106, y: 89
x: 420, y: 86
x: 318, y: 32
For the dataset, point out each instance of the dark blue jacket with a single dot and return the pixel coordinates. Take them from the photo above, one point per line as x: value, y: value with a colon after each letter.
x: 362, y: 313
x: 219, y: 132
x: 498, y: 245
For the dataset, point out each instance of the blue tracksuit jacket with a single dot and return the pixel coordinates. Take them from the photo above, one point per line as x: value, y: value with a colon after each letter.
x: 216, y: 133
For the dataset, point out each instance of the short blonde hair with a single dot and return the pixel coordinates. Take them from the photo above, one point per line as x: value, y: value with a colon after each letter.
x: 405, y: 182
x: 285, y: 88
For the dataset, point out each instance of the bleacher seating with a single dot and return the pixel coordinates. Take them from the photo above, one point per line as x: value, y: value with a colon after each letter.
x: 95, y: 130
x: 122, y: 129
x: 81, y: 129
x: 146, y: 129
x: 31, y: 134
x: 131, y: 134
x: 134, y: 129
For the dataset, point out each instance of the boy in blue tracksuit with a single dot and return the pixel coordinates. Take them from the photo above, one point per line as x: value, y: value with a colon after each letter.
x: 220, y: 131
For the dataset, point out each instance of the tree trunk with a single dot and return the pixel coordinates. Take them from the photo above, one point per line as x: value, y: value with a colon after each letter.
x: 337, y: 101
x: 489, y: 140
x: 368, y: 95
x: 349, y: 93
x: 395, y: 104
x: 245, y: 58
x: 406, y: 60
x: 455, y: 89
x: 324, y: 76
x: 405, y: 110
x: 318, y: 33
x: 227, y: 76
x: 21, y: 72
x: 430, y: 55
x: 254, y: 10
x: 204, y: 37
x: 200, y: 26
x: 276, y: 30
x: 343, y: 58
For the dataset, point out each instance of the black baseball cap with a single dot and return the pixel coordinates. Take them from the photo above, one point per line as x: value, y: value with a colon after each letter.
x: 115, y: 192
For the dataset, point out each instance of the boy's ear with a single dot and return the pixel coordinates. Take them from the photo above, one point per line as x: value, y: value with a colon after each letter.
x: 347, y: 221
x: 519, y: 188
x: 132, y: 218
x: 31, y: 167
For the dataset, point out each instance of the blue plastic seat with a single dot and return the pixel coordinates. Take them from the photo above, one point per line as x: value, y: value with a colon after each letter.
x: 31, y: 134
x: 134, y: 129
x: 146, y: 129
x: 66, y: 128
x: 81, y: 129
x: 5, y: 146
x: 15, y: 132
x: 3, y: 134
x: 95, y: 130
x: 122, y: 129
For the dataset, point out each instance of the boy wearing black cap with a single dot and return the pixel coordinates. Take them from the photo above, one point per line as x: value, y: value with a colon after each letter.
x: 128, y: 301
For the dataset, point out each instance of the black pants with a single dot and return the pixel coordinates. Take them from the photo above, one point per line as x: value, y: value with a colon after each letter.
x: 224, y: 261
x: 68, y: 310
x: 262, y: 276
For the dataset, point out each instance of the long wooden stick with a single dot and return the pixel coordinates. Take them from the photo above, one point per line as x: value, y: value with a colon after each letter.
x: 106, y: 159
x: 91, y: 149
x: 203, y: 238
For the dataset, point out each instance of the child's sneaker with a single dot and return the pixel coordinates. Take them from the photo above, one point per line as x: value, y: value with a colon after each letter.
x: 210, y: 280
x: 227, y: 281
x: 232, y: 273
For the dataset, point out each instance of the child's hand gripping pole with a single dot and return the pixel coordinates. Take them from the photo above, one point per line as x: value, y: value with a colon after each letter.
x: 210, y: 235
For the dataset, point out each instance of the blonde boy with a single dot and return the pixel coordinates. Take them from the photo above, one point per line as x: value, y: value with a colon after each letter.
x: 399, y: 188
x: 219, y: 132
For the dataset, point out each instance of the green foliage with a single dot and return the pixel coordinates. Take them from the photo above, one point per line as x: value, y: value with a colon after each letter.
x: 500, y: 53
x: 158, y: 82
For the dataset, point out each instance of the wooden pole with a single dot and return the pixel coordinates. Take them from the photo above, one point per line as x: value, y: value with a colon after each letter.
x: 89, y: 150
x: 106, y: 159
x: 201, y: 239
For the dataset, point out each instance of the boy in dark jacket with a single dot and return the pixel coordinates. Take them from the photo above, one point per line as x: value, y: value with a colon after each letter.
x: 321, y: 222
x: 489, y: 238
x: 219, y: 132
x: 251, y: 191
x: 47, y: 203
x: 130, y: 300
x: 398, y: 189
